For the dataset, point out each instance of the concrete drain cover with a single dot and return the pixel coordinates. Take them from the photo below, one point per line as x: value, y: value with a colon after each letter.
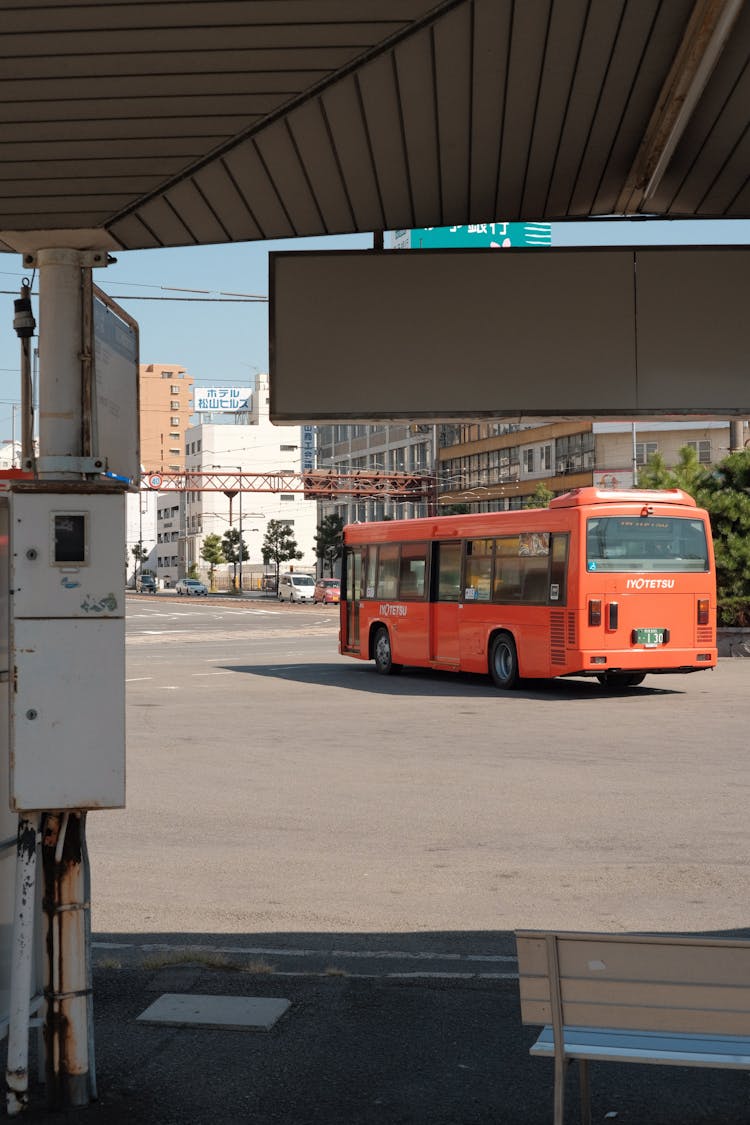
x: 236, y: 1013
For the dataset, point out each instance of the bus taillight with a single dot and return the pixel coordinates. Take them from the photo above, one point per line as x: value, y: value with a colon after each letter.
x: 703, y: 611
x: 595, y: 611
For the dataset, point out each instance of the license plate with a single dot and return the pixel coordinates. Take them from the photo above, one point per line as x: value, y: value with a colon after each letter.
x: 651, y: 638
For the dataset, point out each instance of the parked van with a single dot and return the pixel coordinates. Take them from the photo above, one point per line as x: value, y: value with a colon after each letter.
x: 296, y: 588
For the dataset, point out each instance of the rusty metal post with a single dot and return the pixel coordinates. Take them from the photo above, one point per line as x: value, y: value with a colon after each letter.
x: 69, y: 1071
x: 17, y: 1066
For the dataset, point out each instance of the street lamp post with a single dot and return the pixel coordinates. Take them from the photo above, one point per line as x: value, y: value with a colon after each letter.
x: 239, y: 545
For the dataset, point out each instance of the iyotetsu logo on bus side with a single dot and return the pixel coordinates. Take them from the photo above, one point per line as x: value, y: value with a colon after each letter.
x: 650, y: 584
x: 392, y: 610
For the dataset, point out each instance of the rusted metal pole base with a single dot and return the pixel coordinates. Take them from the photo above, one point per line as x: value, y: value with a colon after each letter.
x: 66, y: 1029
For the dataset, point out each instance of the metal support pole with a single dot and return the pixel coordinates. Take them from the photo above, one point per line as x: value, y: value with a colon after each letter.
x: 17, y: 1067
x: 66, y: 430
x: 240, y: 519
x: 67, y: 1032
x: 635, y: 458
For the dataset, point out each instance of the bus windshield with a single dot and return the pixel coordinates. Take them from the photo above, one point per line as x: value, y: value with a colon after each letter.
x: 633, y: 543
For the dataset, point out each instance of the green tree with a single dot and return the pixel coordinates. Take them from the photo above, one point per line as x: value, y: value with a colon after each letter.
x: 279, y: 545
x: 329, y: 542
x: 455, y: 510
x: 233, y: 549
x: 725, y: 494
x: 686, y: 474
x: 540, y: 497
x: 212, y: 553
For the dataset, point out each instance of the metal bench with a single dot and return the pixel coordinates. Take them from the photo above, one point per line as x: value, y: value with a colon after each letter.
x: 677, y: 1001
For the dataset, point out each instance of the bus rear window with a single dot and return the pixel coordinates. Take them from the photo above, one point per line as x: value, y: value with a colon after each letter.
x: 635, y: 543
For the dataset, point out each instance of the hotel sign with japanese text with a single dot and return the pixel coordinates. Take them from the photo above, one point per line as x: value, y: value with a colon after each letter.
x: 221, y: 399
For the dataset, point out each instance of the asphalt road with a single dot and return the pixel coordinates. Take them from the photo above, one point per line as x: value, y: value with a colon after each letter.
x: 301, y: 828
x: 277, y: 788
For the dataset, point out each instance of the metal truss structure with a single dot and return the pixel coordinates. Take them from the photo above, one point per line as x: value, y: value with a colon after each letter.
x: 317, y: 484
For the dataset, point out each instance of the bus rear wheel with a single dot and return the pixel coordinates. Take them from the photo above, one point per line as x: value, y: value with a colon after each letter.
x: 621, y: 681
x: 381, y: 651
x: 504, y: 662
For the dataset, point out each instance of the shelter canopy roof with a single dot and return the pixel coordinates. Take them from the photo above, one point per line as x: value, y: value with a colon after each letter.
x: 133, y: 124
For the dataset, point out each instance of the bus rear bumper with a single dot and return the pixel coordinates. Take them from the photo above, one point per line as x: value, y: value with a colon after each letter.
x: 652, y: 663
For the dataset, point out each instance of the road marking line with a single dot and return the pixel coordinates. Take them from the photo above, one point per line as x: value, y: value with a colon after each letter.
x: 361, y: 954
x: 138, y: 679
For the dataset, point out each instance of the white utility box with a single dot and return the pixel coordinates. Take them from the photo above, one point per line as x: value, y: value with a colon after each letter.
x: 67, y: 646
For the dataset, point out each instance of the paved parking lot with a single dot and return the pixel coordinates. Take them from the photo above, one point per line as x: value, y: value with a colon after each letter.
x: 299, y: 827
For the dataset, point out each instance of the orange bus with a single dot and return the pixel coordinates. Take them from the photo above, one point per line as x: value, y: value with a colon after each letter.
x: 604, y: 583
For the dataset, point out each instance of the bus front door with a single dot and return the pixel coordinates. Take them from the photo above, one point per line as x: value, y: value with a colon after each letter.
x: 353, y: 572
x: 445, y: 596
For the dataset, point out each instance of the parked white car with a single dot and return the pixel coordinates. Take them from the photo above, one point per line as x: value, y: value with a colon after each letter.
x: 296, y: 588
x: 191, y: 586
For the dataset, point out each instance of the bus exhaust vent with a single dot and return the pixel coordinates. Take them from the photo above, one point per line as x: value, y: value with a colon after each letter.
x: 705, y: 635
x: 557, y: 637
x: 572, y: 640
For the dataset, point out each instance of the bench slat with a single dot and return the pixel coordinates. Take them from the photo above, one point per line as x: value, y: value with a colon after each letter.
x: 688, y: 1021
x: 710, y: 997
x: 596, y: 1044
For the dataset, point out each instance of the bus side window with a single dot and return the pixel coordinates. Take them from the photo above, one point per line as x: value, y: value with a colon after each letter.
x: 413, y: 569
x: 558, y: 578
x: 448, y: 571
x: 388, y: 571
x: 372, y: 562
x: 478, y: 574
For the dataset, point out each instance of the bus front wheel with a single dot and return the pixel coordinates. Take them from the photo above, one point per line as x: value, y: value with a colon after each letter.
x: 621, y: 681
x: 504, y: 662
x: 381, y: 650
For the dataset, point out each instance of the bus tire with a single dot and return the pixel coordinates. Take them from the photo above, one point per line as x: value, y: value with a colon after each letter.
x: 504, y: 662
x: 381, y: 652
x: 621, y: 681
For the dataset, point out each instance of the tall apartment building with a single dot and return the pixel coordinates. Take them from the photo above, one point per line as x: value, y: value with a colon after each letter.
x: 166, y: 403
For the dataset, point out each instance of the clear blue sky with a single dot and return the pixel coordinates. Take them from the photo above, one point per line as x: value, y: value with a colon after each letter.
x: 226, y: 343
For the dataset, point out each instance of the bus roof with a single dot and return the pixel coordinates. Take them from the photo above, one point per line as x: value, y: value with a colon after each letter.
x: 582, y: 497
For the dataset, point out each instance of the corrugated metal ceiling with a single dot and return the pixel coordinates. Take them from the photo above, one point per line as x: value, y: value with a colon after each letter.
x: 172, y: 123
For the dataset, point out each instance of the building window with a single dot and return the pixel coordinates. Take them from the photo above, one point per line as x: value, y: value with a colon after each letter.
x: 287, y: 448
x: 703, y: 450
x: 528, y: 460
x: 643, y: 450
x: 286, y: 496
x: 174, y: 390
x: 546, y: 457
x: 174, y: 405
x: 174, y: 421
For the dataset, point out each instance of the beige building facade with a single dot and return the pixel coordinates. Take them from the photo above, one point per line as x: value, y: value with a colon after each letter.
x: 166, y: 396
x: 493, y: 467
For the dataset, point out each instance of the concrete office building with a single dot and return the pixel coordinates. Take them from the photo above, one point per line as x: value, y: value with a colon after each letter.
x: 386, y: 448
x: 252, y: 446
x: 496, y: 471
